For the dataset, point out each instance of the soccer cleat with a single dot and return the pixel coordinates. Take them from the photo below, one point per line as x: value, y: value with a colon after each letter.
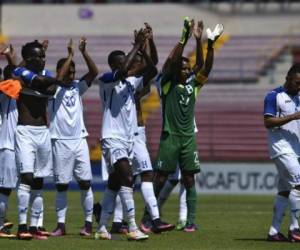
x: 137, y: 235
x: 60, y: 230
x: 8, y: 224
x: 38, y: 235
x: 159, y: 226
x: 180, y: 225
x: 190, y: 228
x: 102, y: 236
x: 97, y: 211
x: 43, y: 231
x: 119, y: 228
x: 87, y: 229
x: 23, y: 233
x: 6, y: 234
x: 146, y: 225
x: 279, y: 237
x: 294, y: 235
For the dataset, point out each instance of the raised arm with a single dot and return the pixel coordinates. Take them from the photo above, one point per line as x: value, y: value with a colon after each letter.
x: 66, y: 66
x: 197, y: 32
x: 151, y: 45
x: 172, y: 64
x: 212, y: 37
x: 9, y: 53
x: 93, y: 71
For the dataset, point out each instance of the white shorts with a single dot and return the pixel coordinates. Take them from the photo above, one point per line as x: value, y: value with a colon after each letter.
x: 288, y: 168
x: 71, y: 158
x: 8, y: 170
x: 141, y: 160
x: 176, y: 176
x: 33, y: 150
x: 115, y: 149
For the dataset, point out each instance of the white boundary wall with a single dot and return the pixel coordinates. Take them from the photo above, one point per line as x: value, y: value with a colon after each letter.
x: 237, y: 178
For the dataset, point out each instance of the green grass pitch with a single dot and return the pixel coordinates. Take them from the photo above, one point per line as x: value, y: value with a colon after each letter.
x: 225, y: 222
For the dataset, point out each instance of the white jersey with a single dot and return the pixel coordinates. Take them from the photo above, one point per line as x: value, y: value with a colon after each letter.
x: 66, y: 112
x: 9, y: 117
x: 119, y: 109
x: 284, y: 139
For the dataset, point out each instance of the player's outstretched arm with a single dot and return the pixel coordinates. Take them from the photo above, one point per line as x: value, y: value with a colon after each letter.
x: 140, y: 39
x: 172, y: 64
x: 272, y: 122
x: 9, y: 53
x: 66, y: 66
x: 197, y: 32
x: 93, y: 71
x: 151, y: 45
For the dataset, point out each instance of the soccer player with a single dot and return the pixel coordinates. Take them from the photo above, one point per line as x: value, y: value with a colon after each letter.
x: 178, y: 140
x: 141, y: 163
x: 118, y: 128
x: 68, y: 138
x: 281, y: 118
x: 8, y: 171
x: 32, y: 140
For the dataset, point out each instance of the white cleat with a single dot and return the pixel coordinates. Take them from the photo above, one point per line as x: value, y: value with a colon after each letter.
x: 102, y: 236
x: 137, y: 235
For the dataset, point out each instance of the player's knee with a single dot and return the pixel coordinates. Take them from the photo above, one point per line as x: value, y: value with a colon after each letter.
x: 5, y: 191
x: 188, y: 180
x: 27, y: 179
x: 113, y: 182
x: 62, y: 187
x: 127, y: 181
x: 147, y: 176
x: 84, y: 185
x: 37, y: 183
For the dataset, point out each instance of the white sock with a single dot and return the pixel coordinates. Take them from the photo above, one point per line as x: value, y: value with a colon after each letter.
x: 36, y: 207
x: 3, y: 206
x: 126, y: 195
x: 182, y: 204
x: 118, y: 213
x: 108, y: 206
x: 41, y: 219
x: 280, y: 205
x: 23, y: 194
x: 165, y: 193
x: 87, y: 203
x: 149, y: 198
x: 294, y: 198
x: 61, y: 206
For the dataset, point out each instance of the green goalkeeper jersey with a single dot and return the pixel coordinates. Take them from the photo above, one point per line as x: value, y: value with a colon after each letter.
x: 178, y: 107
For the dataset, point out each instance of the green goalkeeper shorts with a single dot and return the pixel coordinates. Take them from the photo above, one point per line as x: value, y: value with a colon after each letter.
x: 175, y: 149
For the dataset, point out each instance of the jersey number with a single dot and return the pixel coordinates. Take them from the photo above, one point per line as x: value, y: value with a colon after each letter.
x: 70, y: 101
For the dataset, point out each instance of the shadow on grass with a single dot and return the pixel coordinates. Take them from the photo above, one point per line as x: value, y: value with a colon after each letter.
x: 260, y: 239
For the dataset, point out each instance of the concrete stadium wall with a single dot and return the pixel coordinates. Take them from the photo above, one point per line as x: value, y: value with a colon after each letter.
x: 118, y: 19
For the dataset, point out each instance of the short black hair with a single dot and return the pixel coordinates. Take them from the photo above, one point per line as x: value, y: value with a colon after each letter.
x: 294, y: 69
x: 7, y: 71
x: 112, y: 55
x: 28, y: 47
x: 61, y: 62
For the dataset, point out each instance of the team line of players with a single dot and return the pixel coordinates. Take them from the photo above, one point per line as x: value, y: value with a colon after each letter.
x: 29, y: 151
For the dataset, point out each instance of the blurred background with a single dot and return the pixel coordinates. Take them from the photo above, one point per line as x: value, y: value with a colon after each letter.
x: 260, y: 43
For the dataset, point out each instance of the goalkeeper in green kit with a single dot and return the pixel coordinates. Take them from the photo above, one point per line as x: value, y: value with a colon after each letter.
x: 180, y: 85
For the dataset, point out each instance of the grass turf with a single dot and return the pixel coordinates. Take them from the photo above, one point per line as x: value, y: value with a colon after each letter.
x: 225, y: 222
